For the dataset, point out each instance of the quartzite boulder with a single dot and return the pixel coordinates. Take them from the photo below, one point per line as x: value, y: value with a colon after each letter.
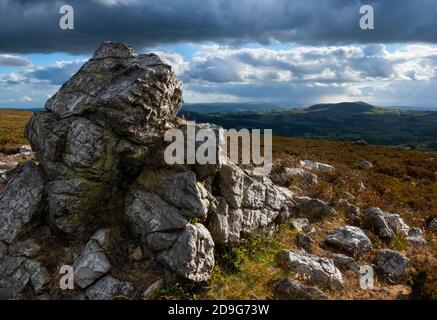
x: 349, y: 238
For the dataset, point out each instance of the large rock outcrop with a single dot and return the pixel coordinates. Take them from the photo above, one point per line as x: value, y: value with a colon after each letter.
x: 100, y: 148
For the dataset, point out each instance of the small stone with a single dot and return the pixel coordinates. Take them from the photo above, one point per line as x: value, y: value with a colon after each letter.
x: 300, y: 223
x: 90, y: 265
x: 104, y: 238
x: 311, y: 232
x: 349, y: 238
x: 391, y: 262
x: 366, y: 277
x: 290, y: 289
x: 28, y: 248
x: 318, y: 269
x: 108, y: 288
x: 343, y: 261
x: 366, y: 165
x: 304, y: 242
x: 151, y: 291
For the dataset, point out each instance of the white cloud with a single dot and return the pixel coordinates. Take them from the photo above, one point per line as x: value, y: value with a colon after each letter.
x: 25, y: 99
x: 13, y: 61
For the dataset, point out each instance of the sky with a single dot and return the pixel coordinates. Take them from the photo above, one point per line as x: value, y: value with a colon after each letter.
x: 288, y: 51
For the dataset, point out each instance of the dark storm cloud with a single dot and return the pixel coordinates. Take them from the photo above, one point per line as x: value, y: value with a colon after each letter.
x: 33, y: 26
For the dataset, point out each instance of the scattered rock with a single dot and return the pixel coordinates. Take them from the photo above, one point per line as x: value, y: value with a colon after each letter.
x: 376, y: 220
x: 20, y: 201
x: 433, y: 225
x: 308, y: 177
x: 349, y: 238
x: 104, y: 238
x: 16, y: 273
x: 366, y: 277
x: 313, y: 209
x: 300, y: 223
x: 26, y: 150
x: 290, y: 289
x: 343, y: 261
x: 318, y: 269
x: 3, y: 176
x: 305, y: 242
x: 311, y: 232
x: 152, y: 290
x: 391, y: 262
x: 312, y: 165
x: 192, y: 254
x: 351, y: 211
x: 90, y: 265
x: 366, y: 165
x: 396, y: 223
x: 28, y: 248
x: 107, y: 288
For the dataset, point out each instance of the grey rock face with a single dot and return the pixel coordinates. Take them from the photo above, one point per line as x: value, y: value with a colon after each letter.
x: 313, y: 209
x: 151, y: 290
x: 107, y: 288
x: 349, y: 238
x: 20, y: 201
x: 343, y: 261
x: 391, y: 262
x: 397, y: 224
x: 192, y: 255
x: 90, y: 265
x: 3, y: 249
x: 318, y: 269
x: 123, y: 89
x: 290, y: 289
x: 366, y: 277
x: 28, y: 248
x: 231, y: 181
x: 16, y: 273
x: 375, y: 219
x: 104, y: 238
x: 179, y: 189
x: 306, y: 176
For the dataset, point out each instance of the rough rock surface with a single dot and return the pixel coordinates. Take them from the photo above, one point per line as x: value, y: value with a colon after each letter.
x: 107, y: 288
x: 318, y: 269
x: 28, y: 248
x: 21, y: 201
x: 313, y: 165
x: 311, y: 208
x: 290, y: 289
x: 90, y: 265
x: 376, y: 220
x: 16, y: 273
x: 343, y: 261
x: 192, y: 254
x: 433, y: 225
x: 349, y: 238
x: 391, y: 262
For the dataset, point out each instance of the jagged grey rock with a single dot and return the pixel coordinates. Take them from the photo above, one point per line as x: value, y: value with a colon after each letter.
x: 349, y: 238
x: 157, y: 241
x: 312, y: 208
x: 306, y: 176
x: 107, y: 288
x: 90, y: 265
x: 17, y: 272
x: 366, y: 165
x: 104, y: 237
x: 28, y: 248
x: 396, y: 223
x: 351, y: 211
x: 343, y: 261
x: 179, y: 189
x: 192, y: 254
x: 375, y: 219
x: 391, y: 262
x: 305, y: 242
x: 231, y: 181
x: 218, y: 225
x: 20, y: 201
x: 313, y: 165
x: 290, y: 289
x: 318, y: 269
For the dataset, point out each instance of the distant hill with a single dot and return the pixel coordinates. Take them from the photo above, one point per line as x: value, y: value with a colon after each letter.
x: 347, y: 121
